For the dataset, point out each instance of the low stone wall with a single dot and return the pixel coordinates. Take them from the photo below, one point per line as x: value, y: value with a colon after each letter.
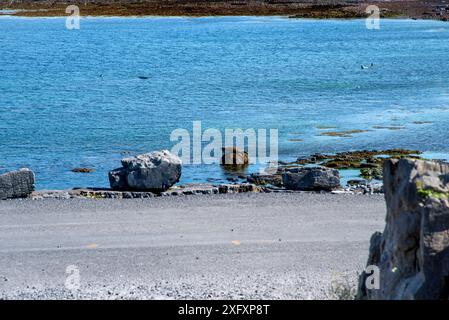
x: 177, y: 191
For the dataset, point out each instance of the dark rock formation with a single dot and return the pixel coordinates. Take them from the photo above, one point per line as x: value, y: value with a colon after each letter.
x: 311, y: 179
x: 83, y: 170
x: 265, y: 179
x: 413, y: 251
x: 16, y: 184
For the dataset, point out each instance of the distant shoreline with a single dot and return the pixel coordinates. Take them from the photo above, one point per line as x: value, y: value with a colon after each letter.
x: 399, y: 18
x: 435, y: 10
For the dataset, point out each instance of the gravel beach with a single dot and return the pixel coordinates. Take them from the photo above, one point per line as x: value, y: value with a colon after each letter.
x: 231, y: 246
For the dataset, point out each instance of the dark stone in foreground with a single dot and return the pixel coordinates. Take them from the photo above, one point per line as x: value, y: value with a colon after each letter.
x: 413, y: 252
x: 16, y: 184
x: 311, y: 179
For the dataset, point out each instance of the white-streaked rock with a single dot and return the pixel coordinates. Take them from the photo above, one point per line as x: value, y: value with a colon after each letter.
x: 155, y: 171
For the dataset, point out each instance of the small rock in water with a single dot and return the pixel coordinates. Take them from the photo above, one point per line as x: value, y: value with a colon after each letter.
x: 83, y: 170
x: 233, y: 156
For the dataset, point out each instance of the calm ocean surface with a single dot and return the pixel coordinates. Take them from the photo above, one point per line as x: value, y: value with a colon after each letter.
x: 73, y: 98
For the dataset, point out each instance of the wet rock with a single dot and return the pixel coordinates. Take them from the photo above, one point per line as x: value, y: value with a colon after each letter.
x: 238, y: 188
x: 311, y: 179
x: 413, y: 251
x: 266, y: 179
x: 233, y: 156
x: 108, y: 194
x: 314, y: 158
x: 343, y: 134
x: 155, y: 171
x: 83, y: 170
x: 422, y: 122
x: 357, y: 182
x: 392, y: 128
x: 371, y: 173
x: 356, y: 159
x: 16, y: 184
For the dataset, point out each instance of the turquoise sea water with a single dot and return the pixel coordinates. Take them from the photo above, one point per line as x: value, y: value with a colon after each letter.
x: 73, y: 98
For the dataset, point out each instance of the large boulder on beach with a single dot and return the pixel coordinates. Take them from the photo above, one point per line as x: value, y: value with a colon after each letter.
x: 311, y: 179
x: 155, y: 171
x: 233, y: 156
x: 16, y: 184
x: 412, y: 253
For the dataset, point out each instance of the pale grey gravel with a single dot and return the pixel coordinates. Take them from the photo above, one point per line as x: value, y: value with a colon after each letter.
x: 232, y: 246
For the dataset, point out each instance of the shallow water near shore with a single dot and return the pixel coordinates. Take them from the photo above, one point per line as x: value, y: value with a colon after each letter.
x: 73, y: 98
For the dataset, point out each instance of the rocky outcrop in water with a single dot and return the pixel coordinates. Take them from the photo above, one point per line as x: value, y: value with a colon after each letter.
x: 413, y: 251
x: 311, y: 179
x: 232, y: 156
x: 83, y: 170
x: 155, y: 171
x: 16, y: 184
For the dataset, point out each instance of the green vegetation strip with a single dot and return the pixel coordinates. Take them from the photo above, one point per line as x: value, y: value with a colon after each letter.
x: 431, y: 193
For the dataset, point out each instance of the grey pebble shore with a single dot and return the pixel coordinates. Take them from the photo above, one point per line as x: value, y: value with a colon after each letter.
x: 231, y: 246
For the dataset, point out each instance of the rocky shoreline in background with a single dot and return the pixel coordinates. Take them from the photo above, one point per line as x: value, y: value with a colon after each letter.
x: 156, y: 174
x: 291, y: 8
